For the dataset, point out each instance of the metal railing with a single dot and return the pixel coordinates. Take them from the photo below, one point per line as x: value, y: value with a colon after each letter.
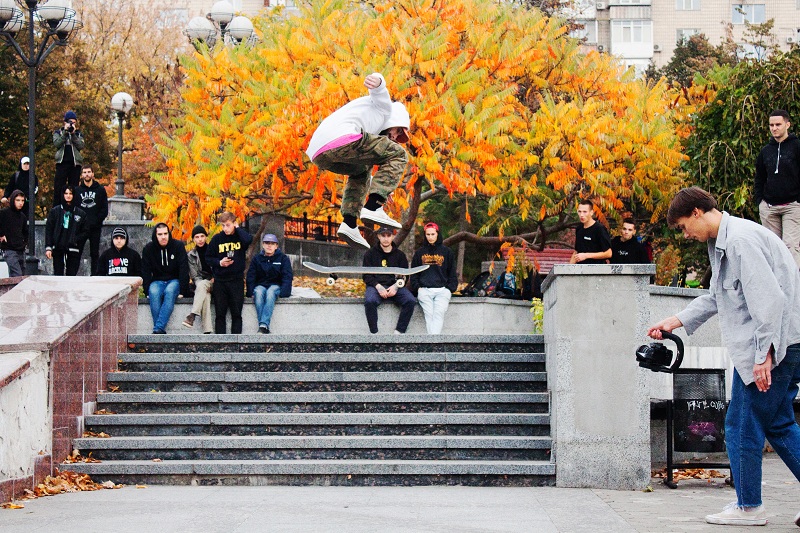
x: 311, y: 229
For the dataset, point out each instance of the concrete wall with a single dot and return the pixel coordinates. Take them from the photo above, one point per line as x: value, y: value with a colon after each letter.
x: 59, y: 338
x: 345, y: 316
x: 600, y: 405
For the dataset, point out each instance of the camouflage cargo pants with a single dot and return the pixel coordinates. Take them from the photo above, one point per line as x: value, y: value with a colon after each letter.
x: 355, y: 160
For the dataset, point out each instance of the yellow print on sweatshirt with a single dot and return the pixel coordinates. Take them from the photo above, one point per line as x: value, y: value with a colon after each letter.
x: 432, y: 259
x: 229, y: 246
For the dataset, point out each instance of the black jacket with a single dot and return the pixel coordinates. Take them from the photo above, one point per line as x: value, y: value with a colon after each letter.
x: 628, y: 252
x: 58, y: 237
x: 782, y: 187
x: 275, y: 269
x: 20, y: 180
x: 376, y: 257
x: 14, y: 226
x: 94, y: 202
x: 442, y: 269
x: 123, y: 262
x: 164, y: 264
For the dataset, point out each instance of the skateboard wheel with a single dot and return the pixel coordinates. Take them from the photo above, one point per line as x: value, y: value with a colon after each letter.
x: 401, y: 283
x: 329, y: 282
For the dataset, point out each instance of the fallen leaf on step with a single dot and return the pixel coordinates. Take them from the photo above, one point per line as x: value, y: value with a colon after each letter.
x: 141, y: 486
x: 11, y: 505
x: 156, y: 460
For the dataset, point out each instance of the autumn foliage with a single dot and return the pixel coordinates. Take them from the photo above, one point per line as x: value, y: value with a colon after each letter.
x: 503, y: 104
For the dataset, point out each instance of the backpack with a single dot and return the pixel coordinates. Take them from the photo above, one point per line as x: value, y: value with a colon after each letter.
x: 477, y: 284
x: 506, y: 284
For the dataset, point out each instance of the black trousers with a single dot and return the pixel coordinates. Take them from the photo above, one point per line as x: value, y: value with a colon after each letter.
x: 68, y: 174
x: 228, y: 295
x: 93, y: 236
x: 72, y: 260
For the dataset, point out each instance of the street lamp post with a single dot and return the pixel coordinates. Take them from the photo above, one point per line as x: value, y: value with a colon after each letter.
x: 221, y: 23
x: 121, y: 103
x: 57, y: 21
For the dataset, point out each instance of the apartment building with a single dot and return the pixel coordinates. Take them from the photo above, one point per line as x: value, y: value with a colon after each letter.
x: 641, y: 31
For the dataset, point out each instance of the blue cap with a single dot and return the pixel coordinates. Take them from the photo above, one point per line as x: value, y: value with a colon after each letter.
x: 70, y: 115
x: 269, y: 237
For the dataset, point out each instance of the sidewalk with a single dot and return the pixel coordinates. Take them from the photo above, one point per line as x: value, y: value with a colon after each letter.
x: 395, y: 509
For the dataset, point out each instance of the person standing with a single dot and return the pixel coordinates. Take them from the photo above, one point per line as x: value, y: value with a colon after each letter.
x: 200, y: 274
x: 20, y: 181
x: 68, y: 141
x: 755, y: 291
x: 165, y: 275
x: 65, y: 227
x: 227, y: 257
x: 120, y: 259
x: 92, y: 198
x: 434, y: 286
x: 383, y: 287
x: 777, y: 183
x: 592, y: 241
x: 268, y: 278
x: 365, y: 132
x: 625, y: 248
x: 14, y: 234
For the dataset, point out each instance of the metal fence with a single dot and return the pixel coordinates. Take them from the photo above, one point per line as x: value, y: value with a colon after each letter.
x: 311, y: 229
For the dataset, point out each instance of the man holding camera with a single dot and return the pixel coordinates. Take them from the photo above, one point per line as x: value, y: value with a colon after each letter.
x: 68, y: 141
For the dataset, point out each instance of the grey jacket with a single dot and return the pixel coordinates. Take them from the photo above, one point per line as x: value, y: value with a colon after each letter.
x: 75, y: 141
x: 195, y: 266
x: 755, y: 289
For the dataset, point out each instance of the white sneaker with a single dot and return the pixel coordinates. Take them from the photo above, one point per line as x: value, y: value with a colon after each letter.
x: 733, y: 515
x: 378, y: 217
x: 352, y: 236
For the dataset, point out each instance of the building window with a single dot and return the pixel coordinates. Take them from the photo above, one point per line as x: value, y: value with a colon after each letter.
x: 588, y: 33
x: 632, y: 31
x: 684, y: 34
x: 751, y: 51
x: 689, y: 5
x: 752, y: 13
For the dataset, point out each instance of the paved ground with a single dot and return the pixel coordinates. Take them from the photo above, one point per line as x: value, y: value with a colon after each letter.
x: 394, y: 509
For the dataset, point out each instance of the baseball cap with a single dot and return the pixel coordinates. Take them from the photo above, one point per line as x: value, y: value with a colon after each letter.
x: 24, y: 160
x: 385, y: 229
x: 269, y: 237
x: 433, y: 225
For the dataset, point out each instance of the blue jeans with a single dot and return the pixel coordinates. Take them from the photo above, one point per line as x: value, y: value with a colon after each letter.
x: 754, y: 415
x: 264, y: 299
x: 162, y: 295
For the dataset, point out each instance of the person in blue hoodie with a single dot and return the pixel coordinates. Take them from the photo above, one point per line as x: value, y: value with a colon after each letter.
x: 269, y: 277
x: 227, y: 257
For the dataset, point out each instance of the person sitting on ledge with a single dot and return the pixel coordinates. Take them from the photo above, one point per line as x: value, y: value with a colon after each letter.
x: 269, y: 276
x: 165, y: 275
x: 382, y: 287
x: 119, y: 259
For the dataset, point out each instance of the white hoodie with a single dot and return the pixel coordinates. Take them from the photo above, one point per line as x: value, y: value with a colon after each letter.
x: 368, y: 114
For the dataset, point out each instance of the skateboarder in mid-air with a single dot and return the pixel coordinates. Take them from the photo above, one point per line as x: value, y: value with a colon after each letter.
x: 359, y: 135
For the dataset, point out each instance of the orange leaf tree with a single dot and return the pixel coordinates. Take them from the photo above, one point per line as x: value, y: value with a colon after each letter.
x: 503, y: 104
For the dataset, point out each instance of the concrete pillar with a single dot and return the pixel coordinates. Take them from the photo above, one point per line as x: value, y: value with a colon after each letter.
x: 595, y: 317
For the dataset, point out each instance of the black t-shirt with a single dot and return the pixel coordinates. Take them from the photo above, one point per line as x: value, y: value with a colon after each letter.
x: 627, y: 252
x: 593, y: 239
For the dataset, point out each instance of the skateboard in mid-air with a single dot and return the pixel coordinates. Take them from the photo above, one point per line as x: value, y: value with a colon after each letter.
x: 333, y: 272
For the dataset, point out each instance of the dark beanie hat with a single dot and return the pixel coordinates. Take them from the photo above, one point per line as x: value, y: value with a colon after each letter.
x: 198, y: 229
x: 70, y: 115
x: 119, y: 232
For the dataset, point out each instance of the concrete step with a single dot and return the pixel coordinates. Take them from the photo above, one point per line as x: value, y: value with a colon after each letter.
x: 327, y: 381
x: 333, y: 361
x: 336, y: 343
x: 322, y: 472
x: 321, y: 424
x: 419, y: 447
x: 323, y: 402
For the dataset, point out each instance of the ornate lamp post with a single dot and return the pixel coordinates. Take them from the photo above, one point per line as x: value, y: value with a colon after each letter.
x: 121, y: 103
x: 222, y: 23
x: 57, y: 22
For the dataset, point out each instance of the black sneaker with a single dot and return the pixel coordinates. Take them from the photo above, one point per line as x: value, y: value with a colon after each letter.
x: 262, y: 329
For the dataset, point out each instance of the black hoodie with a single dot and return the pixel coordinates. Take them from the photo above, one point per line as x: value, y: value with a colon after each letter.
x: 66, y: 226
x: 122, y: 262
x: 94, y: 201
x: 19, y: 181
x: 14, y: 225
x: 442, y: 269
x: 778, y: 172
x: 376, y: 257
x: 164, y: 264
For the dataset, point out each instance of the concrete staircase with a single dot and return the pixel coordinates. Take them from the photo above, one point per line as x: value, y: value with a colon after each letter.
x: 324, y: 409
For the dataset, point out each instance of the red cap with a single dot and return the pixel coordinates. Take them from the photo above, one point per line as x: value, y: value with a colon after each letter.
x: 432, y: 225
